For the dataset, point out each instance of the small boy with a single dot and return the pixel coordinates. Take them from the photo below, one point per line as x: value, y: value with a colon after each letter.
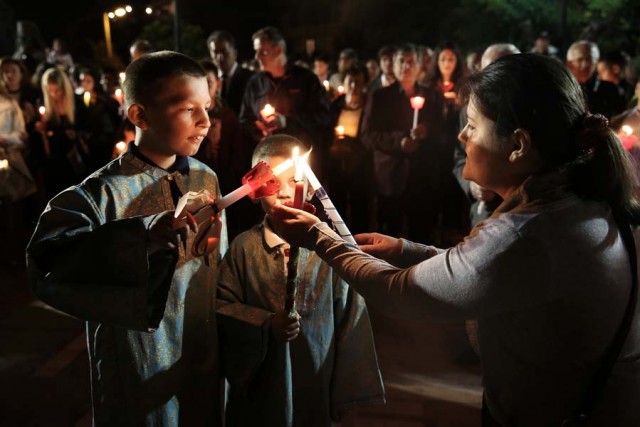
x: 304, y: 371
x: 105, y: 251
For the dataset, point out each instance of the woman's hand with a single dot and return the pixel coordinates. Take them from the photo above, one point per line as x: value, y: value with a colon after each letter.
x: 380, y: 246
x: 293, y: 225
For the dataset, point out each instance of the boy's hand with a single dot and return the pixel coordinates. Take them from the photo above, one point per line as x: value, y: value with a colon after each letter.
x: 284, y: 328
x: 161, y: 233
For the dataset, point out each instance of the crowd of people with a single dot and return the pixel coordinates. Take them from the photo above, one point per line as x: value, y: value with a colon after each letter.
x: 391, y: 163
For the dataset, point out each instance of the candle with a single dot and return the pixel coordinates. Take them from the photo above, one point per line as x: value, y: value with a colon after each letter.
x: 87, y: 98
x: 627, y: 138
x: 4, y: 164
x: 268, y: 113
x: 329, y: 208
x: 298, y: 198
x: 253, y: 185
x: 326, y: 85
x: 340, y: 90
x: 340, y: 131
x: 119, y: 148
x: 118, y: 95
x: 417, y: 102
x: 122, y: 77
x: 42, y: 112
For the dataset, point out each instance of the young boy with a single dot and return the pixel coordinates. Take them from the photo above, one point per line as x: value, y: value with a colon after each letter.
x: 105, y: 251
x: 290, y: 372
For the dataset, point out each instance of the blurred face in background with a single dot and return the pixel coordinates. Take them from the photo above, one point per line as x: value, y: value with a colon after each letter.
x: 355, y: 85
x: 581, y: 62
x: 386, y: 65
x: 11, y: 75
x: 406, y: 67
x: 447, y: 61
x: 223, y: 55
x: 55, y: 92
x: 267, y: 54
x: 87, y: 82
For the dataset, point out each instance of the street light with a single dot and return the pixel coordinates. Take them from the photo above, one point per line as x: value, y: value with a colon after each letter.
x: 106, y: 16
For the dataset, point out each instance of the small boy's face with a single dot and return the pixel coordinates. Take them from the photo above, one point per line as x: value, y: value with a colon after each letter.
x: 287, y: 187
x: 177, y: 120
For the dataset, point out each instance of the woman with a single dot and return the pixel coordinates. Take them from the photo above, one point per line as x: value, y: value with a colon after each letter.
x: 63, y: 165
x: 548, y: 275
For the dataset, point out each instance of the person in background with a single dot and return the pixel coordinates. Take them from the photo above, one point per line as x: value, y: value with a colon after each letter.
x: 59, y: 55
x: 234, y: 78
x: 140, y: 47
x: 347, y: 57
x: 387, y: 77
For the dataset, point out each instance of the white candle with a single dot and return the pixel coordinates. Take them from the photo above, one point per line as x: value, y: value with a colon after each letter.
x: 328, y: 205
x: 417, y: 102
x: 4, y: 164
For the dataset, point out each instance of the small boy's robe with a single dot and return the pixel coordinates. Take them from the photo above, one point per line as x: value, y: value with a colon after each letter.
x: 330, y: 366
x: 149, y: 311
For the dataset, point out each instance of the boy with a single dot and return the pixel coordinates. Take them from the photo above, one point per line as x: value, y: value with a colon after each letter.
x: 105, y: 251
x: 290, y: 372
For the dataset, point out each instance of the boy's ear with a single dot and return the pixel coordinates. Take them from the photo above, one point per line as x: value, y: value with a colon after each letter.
x: 137, y: 116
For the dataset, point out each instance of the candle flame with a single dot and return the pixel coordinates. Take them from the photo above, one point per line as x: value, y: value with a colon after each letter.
x: 326, y: 85
x: 87, y: 98
x: 627, y: 130
x: 267, y: 112
x: 4, y: 164
x: 121, y: 146
x: 122, y: 76
x: 295, y: 156
x: 340, y: 89
x: 42, y: 110
x: 340, y: 131
x: 417, y: 102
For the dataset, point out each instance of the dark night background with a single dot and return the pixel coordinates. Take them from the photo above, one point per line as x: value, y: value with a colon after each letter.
x: 334, y: 24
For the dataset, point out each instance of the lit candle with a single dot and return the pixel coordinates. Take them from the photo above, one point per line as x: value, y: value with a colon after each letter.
x: 326, y: 85
x: 627, y: 138
x: 340, y: 131
x: 120, y: 148
x: 122, y: 77
x: 328, y: 205
x: 4, y: 164
x: 268, y: 113
x: 42, y: 112
x: 256, y: 183
x: 298, y: 198
x: 417, y: 102
x: 87, y: 98
x: 340, y: 90
x: 447, y: 88
x: 118, y: 95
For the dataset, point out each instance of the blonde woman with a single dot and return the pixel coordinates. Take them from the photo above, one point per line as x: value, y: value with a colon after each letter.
x: 63, y: 165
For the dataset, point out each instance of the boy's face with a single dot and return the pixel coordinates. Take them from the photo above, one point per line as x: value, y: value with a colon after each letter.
x: 287, y: 187
x: 177, y: 121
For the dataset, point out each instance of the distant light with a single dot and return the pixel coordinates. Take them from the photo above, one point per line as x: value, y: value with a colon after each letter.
x: 112, y: 15
x: 128, y: 8
x: 122, y: 76
x: 120, y: 12
x: 149, y: 11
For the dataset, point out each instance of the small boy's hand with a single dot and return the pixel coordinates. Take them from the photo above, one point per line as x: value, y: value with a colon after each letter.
x: 283, y: 327
x: 408, y: 145
x: 161, y: 233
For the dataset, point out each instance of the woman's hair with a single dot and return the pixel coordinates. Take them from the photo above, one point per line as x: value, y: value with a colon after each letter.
x: 434, y: 70
x: 58, y: 76
x: 540, y: 95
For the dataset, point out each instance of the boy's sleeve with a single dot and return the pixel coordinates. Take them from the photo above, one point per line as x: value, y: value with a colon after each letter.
x: 243, y: 330
x: 96, y: 270
x: 356, y: 377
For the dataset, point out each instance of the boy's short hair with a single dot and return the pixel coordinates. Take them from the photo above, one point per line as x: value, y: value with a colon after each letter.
x: 280, y: 145
x: 144, y: 76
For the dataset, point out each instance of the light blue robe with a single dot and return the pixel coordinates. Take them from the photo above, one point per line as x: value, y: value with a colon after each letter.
x: 150, y: 313
x: 310, y: 381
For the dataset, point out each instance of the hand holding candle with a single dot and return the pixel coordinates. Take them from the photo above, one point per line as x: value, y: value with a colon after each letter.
x: 268, y: 113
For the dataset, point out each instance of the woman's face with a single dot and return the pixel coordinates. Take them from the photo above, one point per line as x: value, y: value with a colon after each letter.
x: 55, y: 92
x: 87, y: 82
x: 447, y: 61
x: 11, y: 75
x: 487, y: 157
